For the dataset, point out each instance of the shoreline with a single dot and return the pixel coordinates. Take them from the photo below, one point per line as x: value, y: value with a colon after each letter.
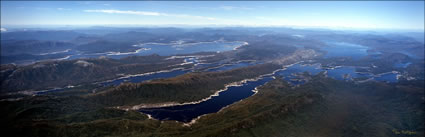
x: 170, y: 104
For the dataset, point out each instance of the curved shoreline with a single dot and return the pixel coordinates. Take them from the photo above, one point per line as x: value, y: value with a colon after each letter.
x: 193, y: 121
x: 170, y: 104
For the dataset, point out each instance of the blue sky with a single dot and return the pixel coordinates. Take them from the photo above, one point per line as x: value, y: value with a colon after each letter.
x: 352, y: 14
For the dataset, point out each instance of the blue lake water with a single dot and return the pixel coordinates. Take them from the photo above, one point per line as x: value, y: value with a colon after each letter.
x: 340, y: 73
x: 168, y: 49
x: 402, y: 65
x: 185, y: 113
x: 342, y: 49
x: 389, y: 77
x: 164, y: 49
x: 288, y: 73
x: 344, y: 73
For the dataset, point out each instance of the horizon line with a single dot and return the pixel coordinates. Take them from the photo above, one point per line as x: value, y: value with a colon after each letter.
x: 15, y: 26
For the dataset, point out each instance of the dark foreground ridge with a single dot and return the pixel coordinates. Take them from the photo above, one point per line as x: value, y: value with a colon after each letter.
x: 324, y: 106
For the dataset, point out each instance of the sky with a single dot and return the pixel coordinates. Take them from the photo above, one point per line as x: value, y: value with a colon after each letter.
x: 333, y: 14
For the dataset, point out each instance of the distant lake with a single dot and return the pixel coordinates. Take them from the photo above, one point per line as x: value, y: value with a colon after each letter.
x: 162, y: 49
x: 289, y: 73
x: 186, y: 48
x: 389, y: 77
x: 339, y: 73
x: 343, y: 49
x: 170, y: 49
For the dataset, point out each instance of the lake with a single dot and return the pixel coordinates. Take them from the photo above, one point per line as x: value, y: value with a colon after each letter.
x: 343, y: 49
x: 164, y: 49
x: 185, y: 113
x: 338, y: 73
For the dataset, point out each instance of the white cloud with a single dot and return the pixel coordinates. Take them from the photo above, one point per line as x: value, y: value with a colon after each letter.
x: 148, y: 13
x: 41, y: 8
x: 126, y: 12
x: 3, y: 29
x: 227, y: 7
x: 234, y: 8
x: 85, y: 3
x: 62, y: 9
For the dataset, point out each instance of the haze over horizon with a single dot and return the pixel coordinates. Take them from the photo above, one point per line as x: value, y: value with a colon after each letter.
x: 330, y: 14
